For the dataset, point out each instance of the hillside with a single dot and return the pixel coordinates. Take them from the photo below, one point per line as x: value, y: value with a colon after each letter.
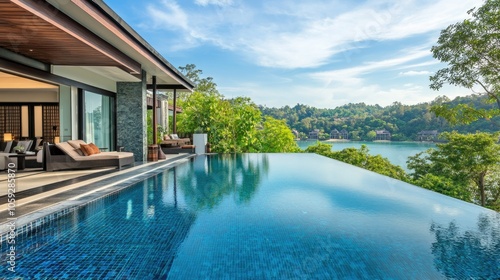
x: 404, y: 122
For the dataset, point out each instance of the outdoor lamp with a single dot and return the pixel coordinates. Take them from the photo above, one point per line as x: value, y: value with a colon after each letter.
x: 7, y: 137
x: 56, y: 139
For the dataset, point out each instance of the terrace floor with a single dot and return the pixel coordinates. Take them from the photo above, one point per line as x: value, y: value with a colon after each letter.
x: 39, y: 193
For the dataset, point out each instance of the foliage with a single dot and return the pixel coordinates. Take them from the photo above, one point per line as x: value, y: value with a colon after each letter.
x: 472, y: 50
x: 275, y: 136
x: 444, y: 185
x: 403, y: 121
x: 361, y: 158
x: 231, y: 124
x: 160, y: 129
x: 469, y: 161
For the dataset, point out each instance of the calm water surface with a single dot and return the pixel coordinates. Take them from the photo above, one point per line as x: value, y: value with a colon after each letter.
x: 396, y: 152
x: 266, y: 216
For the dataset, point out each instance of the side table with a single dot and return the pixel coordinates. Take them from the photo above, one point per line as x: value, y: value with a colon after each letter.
x: 21, y: 163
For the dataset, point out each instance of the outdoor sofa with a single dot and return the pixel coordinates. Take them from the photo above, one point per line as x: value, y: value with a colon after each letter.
x: 31, y: 147
x: 69, y: 155
x: 174, y: 140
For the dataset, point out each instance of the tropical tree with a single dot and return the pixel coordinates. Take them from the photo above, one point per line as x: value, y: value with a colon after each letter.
x: 276, y: 136
x: 465, y: 167
x: 471, y: 49
x: 232, y: 125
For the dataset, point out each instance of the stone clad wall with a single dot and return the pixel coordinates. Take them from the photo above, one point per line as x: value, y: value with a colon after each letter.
x: 131, y: 112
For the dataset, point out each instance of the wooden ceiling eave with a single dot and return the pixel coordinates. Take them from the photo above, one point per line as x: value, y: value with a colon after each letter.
x: 38, y: 30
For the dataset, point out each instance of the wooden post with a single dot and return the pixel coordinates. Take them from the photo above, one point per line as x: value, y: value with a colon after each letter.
x: 155, y: 123
x: 174, y: 119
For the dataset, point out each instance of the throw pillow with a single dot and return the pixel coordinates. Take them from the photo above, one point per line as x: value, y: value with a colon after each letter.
x: 166, y: 137
x: 174, y: 136
x: 95, y: 149
x: 86, y: 149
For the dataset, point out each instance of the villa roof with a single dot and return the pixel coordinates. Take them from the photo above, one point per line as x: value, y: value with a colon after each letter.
x: 428, y: 132
x: 82, y: 34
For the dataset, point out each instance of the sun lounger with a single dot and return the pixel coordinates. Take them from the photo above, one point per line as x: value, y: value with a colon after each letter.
x: 62, y: 156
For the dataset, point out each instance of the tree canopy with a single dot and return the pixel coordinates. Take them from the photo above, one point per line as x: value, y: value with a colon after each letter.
x: 465, y: 167
x: 361, y: 158
x: 233, y: 125
x: 471, y: 49
x: 360, y: 120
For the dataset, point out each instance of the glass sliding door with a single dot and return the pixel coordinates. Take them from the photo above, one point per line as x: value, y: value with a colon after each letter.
x: 98, y: 120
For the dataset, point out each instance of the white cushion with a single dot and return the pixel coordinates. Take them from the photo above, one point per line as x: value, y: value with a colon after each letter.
x: 76, y: 143
x: 39, y: 156
x: 26, y: 144
x: 38, y: 141
x: 8, y: 147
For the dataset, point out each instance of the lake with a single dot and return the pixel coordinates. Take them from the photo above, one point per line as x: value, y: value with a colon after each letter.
x: 396, y: 152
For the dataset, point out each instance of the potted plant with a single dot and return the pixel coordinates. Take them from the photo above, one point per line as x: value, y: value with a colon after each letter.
x: 19, y: 149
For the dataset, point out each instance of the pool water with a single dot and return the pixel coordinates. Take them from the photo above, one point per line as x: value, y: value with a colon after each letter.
x: 266, y: 216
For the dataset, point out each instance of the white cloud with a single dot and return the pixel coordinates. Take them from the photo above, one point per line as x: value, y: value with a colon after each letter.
x: 172, y: 16
x: 354, y: 75
x: 331, y: 37
x: 214, y: 2
x: 278, y: 34
x: 415, y: 73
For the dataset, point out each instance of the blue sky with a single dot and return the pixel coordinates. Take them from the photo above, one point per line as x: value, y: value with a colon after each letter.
x: 323, y: 53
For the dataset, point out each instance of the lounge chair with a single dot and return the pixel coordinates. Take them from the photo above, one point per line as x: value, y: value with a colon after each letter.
x: 66, y: 155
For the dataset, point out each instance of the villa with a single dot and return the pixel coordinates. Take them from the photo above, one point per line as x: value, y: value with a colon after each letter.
x: 427, y: 135
x: 74, y: 72
x: 335, y: 134
x: 78, y: 71
x: 314, y: 135
x: 382, y: 135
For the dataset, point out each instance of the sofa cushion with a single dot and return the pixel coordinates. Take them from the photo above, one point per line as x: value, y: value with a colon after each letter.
x: 10, y: 149
x: 68, y: 149
x: 79, y: 151
x: 26, y: 144
x: 76, y: 143
x: 38, y: 143
x: 8, y: 146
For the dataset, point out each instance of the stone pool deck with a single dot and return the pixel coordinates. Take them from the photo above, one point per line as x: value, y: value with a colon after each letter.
x: 40, y: 194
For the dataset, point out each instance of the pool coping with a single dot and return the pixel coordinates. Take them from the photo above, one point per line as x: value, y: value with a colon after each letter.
x: 74, y: 199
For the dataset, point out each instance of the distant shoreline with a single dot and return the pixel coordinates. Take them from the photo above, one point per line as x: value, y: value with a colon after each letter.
x: 374, y: 141
x: 336, y: 140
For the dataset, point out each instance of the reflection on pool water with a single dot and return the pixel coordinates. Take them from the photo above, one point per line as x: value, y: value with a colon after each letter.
x: 267, y: 216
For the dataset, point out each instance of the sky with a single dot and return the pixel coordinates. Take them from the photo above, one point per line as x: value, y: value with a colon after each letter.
x: 321, y: 53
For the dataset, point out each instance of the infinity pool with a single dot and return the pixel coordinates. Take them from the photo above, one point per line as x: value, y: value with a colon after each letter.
x: 267, y: 216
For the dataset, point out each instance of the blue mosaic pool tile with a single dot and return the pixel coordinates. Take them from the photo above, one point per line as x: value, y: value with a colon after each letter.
x: 201, y: 228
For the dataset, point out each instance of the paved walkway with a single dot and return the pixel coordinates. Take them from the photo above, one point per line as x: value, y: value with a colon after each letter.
x: 39, y: 193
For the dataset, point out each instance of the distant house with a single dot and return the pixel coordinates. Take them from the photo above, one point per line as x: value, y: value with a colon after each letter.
x: 314, y: 134
x: 427, y: 135
x: 382, y: 135
x: 335, y: 134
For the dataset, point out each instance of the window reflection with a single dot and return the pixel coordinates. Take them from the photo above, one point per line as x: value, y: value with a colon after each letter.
x: 99, y: 120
